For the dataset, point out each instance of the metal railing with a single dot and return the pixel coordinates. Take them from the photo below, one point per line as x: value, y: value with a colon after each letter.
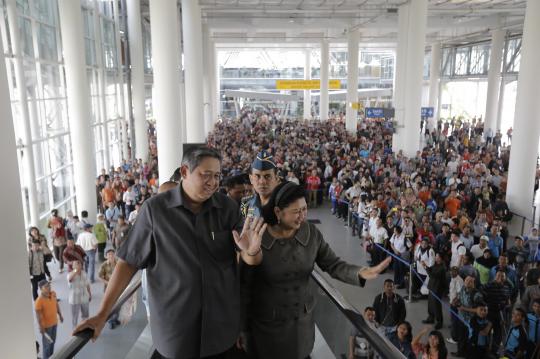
x: 79, y: 340
x: 380, y: 344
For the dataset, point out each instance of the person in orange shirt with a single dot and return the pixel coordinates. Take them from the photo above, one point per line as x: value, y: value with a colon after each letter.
x: 47, y: 313
x: 424, y: 194
x: 107, y: 194
x: 452, y: 203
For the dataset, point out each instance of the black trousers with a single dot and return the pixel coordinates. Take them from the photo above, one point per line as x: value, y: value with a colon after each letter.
x: 435, y: 308
x: 35, y: 280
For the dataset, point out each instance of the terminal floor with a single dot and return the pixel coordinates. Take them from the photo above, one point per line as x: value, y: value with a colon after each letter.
x: 117, y: 343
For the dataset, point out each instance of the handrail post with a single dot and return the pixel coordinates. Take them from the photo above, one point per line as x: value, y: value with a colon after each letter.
x: 410, y: 282
x: 349, y: 215
x: 522, y: 225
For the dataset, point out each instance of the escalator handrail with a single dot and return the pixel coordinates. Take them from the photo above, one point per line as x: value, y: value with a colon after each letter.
x: 79, y: 340
x: 380, y: 344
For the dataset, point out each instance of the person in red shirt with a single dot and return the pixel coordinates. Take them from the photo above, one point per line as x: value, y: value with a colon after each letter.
x: 313, y: 183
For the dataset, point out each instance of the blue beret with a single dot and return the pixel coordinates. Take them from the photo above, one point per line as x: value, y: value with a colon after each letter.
x: 263, y: 162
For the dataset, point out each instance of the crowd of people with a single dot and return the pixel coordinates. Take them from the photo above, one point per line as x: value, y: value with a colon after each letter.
x: 443, y: 213
x: 441, y: 216
x: 79, y: 244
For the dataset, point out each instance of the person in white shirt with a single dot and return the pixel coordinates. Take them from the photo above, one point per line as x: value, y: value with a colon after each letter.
x: 88, y: 241
x: 400, y: 246
x: 458, y: 250
x: 133, y: 214
x: 378, y: 235
x: 466, y: 237
x: 423, y: 253
x: 477, y: 250
x: 456, y: 283
x: 129, y: 198
x: 80, y: 294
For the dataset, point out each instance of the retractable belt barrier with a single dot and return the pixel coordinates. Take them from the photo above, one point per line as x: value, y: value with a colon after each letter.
x: 446, y: 306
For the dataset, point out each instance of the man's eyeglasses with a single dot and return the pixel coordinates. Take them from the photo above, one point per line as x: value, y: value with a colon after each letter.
x: 207, y: 176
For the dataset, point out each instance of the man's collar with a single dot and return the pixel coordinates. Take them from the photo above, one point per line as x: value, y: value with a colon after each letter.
x: 176, y: 198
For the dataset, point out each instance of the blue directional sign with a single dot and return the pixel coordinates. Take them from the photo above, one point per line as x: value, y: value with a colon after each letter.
x: 427, y: 112
x: 379, y: 112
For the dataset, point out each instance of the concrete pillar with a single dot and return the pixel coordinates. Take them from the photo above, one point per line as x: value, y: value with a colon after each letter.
x: 214, y: 91
x: 166, y: 94
x: 434, y: 83
x: 101, y: 89
x: 182, y: 114
x: 494, y: 79
x: 22, y: 97
x: 193, y: 69
x: 120, y: 85
x: 352, y: 81
x: 416, y: 33
x: 208, y: 82
x: 138, y: 96
x: 500, y: 106
x: 400, y: 77
x: 307, y: 76
x: 79, y: 108
x: 523, y: 155
x: 17, y: 331
x: 323, y: 97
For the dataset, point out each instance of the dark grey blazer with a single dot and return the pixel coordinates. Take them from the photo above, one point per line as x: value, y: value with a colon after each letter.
x: 279, y: 296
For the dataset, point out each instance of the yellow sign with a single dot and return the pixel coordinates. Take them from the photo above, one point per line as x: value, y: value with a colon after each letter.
x: 357, y: 106
x: 306, y: 84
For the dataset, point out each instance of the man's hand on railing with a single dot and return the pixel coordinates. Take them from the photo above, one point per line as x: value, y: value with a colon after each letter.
x: 95, y: 323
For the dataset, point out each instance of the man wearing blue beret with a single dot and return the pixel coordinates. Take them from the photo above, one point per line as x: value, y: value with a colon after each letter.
x: 264, y: 179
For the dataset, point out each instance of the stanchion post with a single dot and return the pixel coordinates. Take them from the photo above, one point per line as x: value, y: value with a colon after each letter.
x: 349, y: 215
x: 410, y: 282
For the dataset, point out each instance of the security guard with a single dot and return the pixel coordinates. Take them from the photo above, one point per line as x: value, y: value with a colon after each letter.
x: 264, y: 179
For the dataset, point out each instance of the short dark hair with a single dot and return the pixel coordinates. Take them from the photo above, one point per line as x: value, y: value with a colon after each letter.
x: 367, y: 309
x: 388, y: 280
x: 536, y: 300
x: 282, y: 196
x: 193, y: 157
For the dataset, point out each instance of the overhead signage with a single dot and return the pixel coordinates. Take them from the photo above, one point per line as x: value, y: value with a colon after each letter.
x: 427, y: 112
x: 306, y: 84
x: 379, y: 112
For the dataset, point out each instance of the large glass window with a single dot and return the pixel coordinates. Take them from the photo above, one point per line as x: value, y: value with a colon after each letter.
x: 45, y: 89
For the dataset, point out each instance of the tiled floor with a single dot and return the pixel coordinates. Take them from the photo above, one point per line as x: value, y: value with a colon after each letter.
x: 349, y: 248
x: 112, y: 343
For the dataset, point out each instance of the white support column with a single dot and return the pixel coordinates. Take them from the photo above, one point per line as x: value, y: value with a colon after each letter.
x: 22, y: 96
x: 434, y: 83
x: 500, y: 105
x: 182, y: 114
x: 138, y: 96
x: 193, y: 69
x: 79, y: 108
x: 400, y: 78
x: 352, y: 81
x: 17, y: 331
x: 101, y: 88
x: 494, y: 79
x: 217, y: 88
x: 307, y: 76
x: 214, y: 90
x: 166, y: 94
x: 323, y: 97
x: 417, y: 22
x: 523, y: 154
x: 120, y: 84
x: 207, y: 80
